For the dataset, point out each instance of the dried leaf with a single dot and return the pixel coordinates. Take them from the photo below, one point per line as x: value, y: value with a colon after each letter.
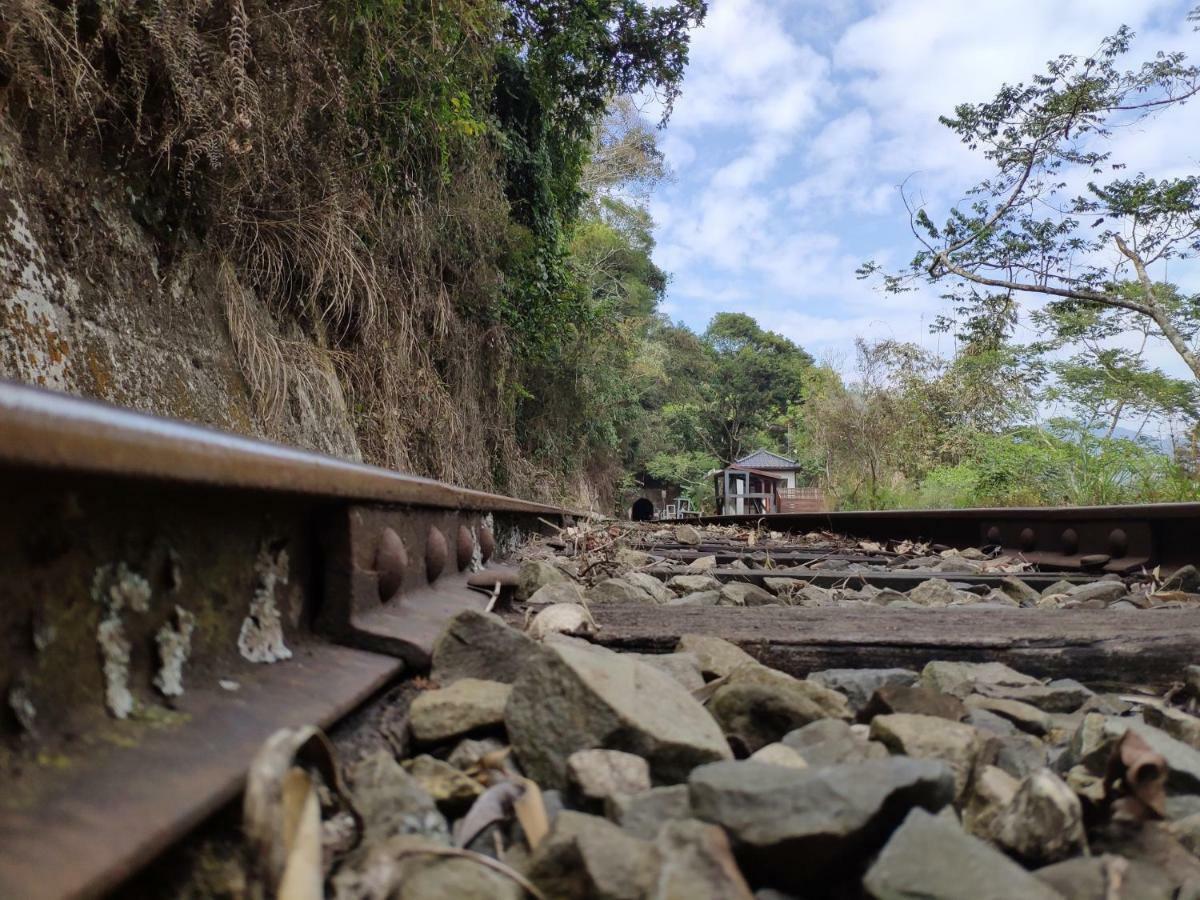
x: 704, y: 693
x: 493, y: 805
x: 1135, y: 780
x: 486, y: 769
x: 302, y: 872
x: 531, y: 813
x: 274, y: 804
x: 1173, y: 596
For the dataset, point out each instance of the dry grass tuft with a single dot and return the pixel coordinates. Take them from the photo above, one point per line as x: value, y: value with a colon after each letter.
x: 238, y: 118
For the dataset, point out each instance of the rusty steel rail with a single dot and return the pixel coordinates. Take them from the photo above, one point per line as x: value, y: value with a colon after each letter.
x: 1109, y: 538
x: 305, y: 586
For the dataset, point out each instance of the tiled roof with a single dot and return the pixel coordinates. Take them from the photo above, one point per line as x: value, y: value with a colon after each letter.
x: 765, y: 459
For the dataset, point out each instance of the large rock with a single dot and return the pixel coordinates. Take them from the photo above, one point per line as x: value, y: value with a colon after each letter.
x: 1044, y: 821
x: 537, y: 573
x: 392, y: 802
x: 1151, y: 843
x: 464, y: 706
x: 857, y: 685
x: 783, y: 587
x: 740, y: 593
x: 1063, y: 695
x: 570, y: 699
x: 717, y: 657
x: 963, y: 678
x: 642, y: 814
x: 619, y: 590
x: 1026, y: 717
x: 792, y: 826
x: 479, y: 645
x: 683, y: 667
x: 651, y: 585
x: 1018, y: 754
x: 688, y: 534
x: 779, y: 755
x: 1059, y: 588
x: 959, y: 565
x: 1019, y: 591
x: 693, y: 584
x: 830, y: 742
x: 696, y: 863
x: 903, y: 698
x: 935, y: 592
x: 1106, y: 877
x: 628, y: 558
x: 990, y: 722
x: 760, y: 705
x: 451, y: 790
x: 992, y: 790
x: 930, y: 737
x: 556, y: 592
x: 1176, y: 723
x: 412, y: 868
x: 588, y: 858
x: 1096, y: 593
x: 596, y: 775
x: 813, y: 597
x: 929, y: 858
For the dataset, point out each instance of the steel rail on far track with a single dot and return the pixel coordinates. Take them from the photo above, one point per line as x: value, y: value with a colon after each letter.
x: 1109, y: 538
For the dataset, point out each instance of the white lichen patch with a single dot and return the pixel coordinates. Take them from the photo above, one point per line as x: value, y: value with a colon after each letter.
x: 44, y: 632
x: 115, y: 588
x: 174, y: 642
x: 21, y: 704
x: 476, y: 554
x: 114, y: 648
x: 33, y: 308
x: 118, y: 587
x: 509, y: 539
x: 261, y: 637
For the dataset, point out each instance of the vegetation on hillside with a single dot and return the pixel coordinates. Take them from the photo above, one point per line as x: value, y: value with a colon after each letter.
x: 393, y: 194
x: 442, y: 208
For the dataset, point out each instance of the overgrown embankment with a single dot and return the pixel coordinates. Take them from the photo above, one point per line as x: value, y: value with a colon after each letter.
x: 341, y: 225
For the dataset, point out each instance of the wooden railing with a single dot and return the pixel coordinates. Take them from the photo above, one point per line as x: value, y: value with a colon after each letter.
x: 801, y: 500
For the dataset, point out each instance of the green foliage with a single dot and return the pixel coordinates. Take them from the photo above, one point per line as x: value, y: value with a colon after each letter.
x: 1022, y: 232
x: 757, y: 376
x: 689, y: 469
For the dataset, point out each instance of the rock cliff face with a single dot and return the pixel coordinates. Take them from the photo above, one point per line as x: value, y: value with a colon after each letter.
x: 92, y: 303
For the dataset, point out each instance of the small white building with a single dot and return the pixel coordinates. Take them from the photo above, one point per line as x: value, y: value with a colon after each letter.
x: 764, y: 482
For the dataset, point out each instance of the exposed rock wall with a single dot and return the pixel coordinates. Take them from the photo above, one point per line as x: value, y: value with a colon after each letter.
x: 91, y: 304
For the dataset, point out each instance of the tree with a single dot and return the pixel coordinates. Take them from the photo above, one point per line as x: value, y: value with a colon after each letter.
x: 758, y: 375
x: 1102, y: 383
x: 1027, y: 231
x: 584, y: 54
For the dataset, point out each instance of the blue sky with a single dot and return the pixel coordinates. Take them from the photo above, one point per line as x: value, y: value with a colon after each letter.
x: 798, y: 120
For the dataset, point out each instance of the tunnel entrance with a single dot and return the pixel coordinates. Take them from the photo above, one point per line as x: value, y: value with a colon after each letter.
x: 642, y: 511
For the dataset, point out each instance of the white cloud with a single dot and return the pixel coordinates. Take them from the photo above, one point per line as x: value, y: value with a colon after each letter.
x: 746, y: 70
x: 798, y: 120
